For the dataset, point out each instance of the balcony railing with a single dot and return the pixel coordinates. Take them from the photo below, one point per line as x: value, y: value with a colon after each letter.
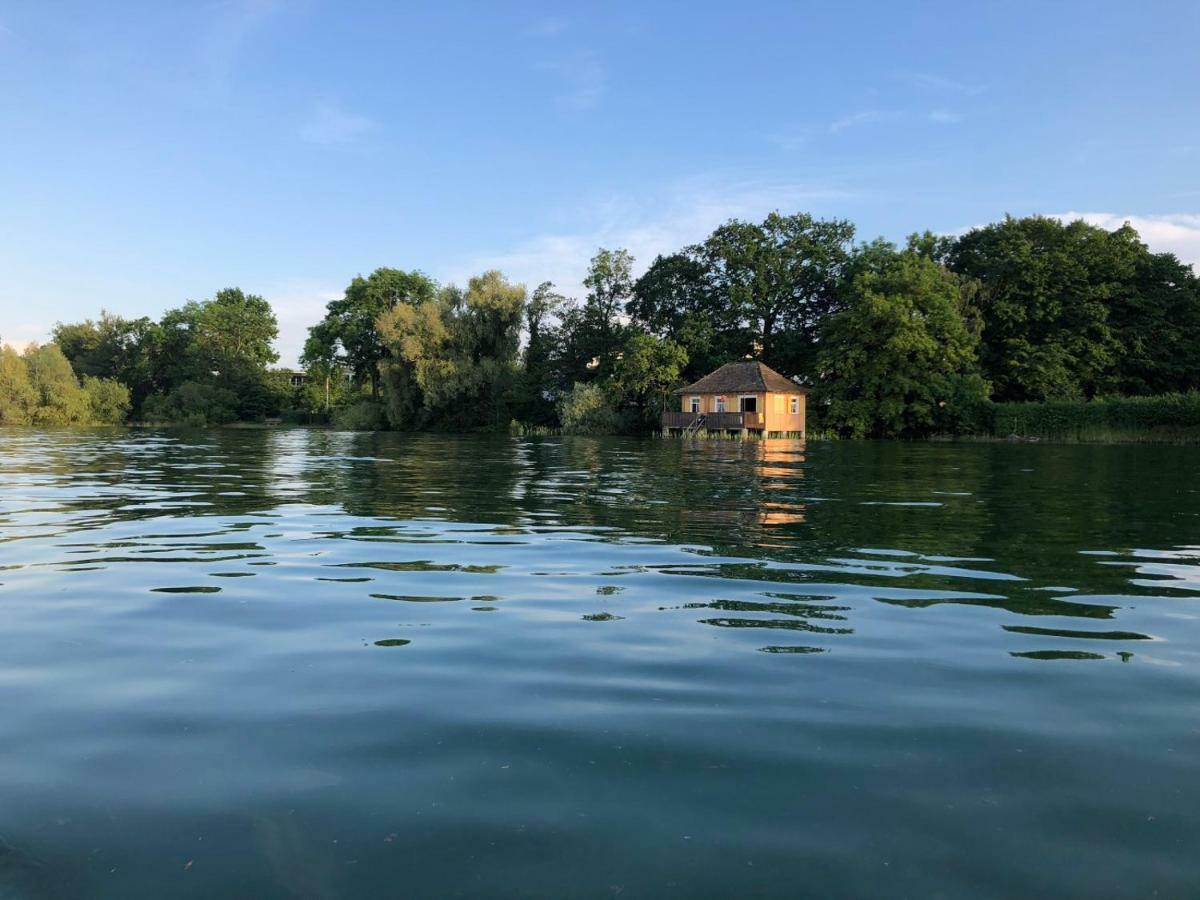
x: 716, y: 421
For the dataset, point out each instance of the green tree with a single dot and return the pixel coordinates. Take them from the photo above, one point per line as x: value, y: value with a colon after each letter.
x: 116, y: 348
x: 648, y: 369
x: 453, y: 358
x: 609, y: 283
x: 780, y: 277
x: 676, y: 299
x: 900, y: 360
x: 349, y: 333
x: 1046, y: 293
x: 588, y: 409
x: 108, y: 400
x: 1156, y: 321
x: 536, y: 389
x: 17, y: 396
x: 58, y: 397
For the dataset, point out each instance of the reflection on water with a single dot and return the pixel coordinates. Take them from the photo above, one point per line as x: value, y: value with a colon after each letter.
x: 707, y: 669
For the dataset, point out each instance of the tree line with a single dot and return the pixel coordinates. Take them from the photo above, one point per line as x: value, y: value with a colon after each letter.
x: 892, y: 340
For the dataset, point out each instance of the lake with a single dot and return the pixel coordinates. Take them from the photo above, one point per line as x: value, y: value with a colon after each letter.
x: 289, y: 663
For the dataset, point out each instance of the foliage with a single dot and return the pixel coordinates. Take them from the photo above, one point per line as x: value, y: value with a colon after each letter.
x: 535, y: 388
x: 108, y: 400
x: 362, y: 415
x: 58, y: 398
x: 597, y: 328
x: 194, y: 404
x: 113, y: 347
x: 1047, y: 289
x: 588, y: 409
x: 453, y: 358
x: 1169, y: 416
x: 648, y: 369
x: 17, y: 396
x: 901, y: 359
x: 349, y: 333
x: 781, y: 278
x: 677, y: 299
x: 902, y: 341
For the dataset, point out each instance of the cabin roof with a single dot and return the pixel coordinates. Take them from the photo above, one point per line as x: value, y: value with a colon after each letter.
x: 747, y: 376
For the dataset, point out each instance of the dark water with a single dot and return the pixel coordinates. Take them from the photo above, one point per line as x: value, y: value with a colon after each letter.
x: 291, y: 663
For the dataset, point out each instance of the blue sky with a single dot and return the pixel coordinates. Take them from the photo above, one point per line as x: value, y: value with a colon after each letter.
x: 155, y: 152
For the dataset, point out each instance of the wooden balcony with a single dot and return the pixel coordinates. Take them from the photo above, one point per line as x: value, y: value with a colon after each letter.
x: 726, y: 421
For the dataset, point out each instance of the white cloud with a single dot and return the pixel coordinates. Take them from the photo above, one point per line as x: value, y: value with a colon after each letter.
x: 20, y: 335
x: 941, y: 84
x: 866, y: 117
x: 646, y: 226
x: 1177, y: 233
x: 298, y: 304
x: 944, y: 117
x: 330, y: 125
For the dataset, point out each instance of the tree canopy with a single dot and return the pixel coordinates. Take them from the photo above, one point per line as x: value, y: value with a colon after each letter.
x: 893, y: 342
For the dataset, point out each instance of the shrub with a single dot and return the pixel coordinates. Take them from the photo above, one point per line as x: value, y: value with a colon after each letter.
x: 193, y: 404
x: 365, y: 415
x: 1166, y: 416
x: 108, y: 399
x: 587, y: 409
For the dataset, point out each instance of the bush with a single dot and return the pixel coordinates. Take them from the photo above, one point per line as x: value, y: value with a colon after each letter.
x: 193, y: 404
x: 1148, y: 418
x: 587, y: 409
x: 108, y: 399
x: 365, y: 415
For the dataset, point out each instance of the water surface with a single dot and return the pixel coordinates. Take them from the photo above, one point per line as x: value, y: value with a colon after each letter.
x: 311, y: 664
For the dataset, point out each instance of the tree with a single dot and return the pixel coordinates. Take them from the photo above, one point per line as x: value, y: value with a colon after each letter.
x: 900, y: 360
x: 453, y: 359
x: 609, y: 284
x: 17, y: 396
x: 115, y: 348
x: 780, y: 277
x: 587, y: 409
x: 535, y: 390
x: 235, y: 330
x: 108, y: 400
x: 676, y: 299
x: 58, y: 398
x: 647, y: 371
x: 349, y: 333
x: 1046, y: 293
x: 1156, y: 321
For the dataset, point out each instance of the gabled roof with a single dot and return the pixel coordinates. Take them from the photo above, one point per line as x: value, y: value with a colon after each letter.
x: 747, y: 376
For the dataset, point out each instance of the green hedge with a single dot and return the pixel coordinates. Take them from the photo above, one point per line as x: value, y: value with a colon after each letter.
x: 1166, y: 417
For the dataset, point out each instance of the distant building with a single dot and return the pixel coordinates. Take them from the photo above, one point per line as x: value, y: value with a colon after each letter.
x: 740, y: 397
x: 292, y: 377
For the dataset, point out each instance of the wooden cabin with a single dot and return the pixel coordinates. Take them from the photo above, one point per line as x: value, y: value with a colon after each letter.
x: 739, y: 398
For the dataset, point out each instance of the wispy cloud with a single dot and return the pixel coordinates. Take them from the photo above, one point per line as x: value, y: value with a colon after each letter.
x: 1177, y: 233
x: 329, y: 125
x: 865, y: 117
x: 583, y: 77
x: 942, y: 84
x: 944, y: 117
x: 645, y: 225
x: 223, y: 36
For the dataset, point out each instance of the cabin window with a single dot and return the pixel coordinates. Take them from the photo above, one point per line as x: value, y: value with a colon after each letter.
x: 795, y: 405
x: 695, y: 404
x: 749, y: 404
x: 720, y: 404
